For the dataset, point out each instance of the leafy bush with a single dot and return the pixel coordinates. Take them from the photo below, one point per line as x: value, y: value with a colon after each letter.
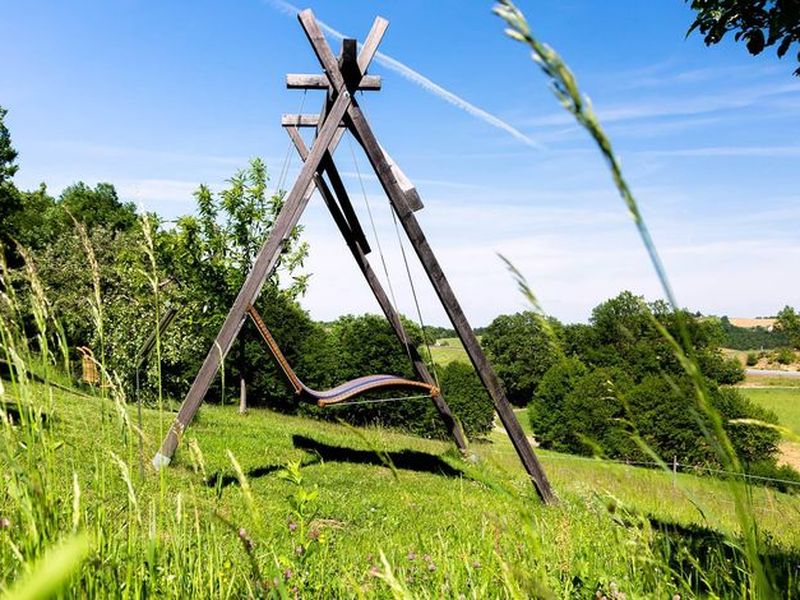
x: 467, y: 398
x: 785, y: 356
x: 752, y: 359
x: 602, y: 412
x: 714, y: 365
x: 580, y: 411
x: 546, y: 411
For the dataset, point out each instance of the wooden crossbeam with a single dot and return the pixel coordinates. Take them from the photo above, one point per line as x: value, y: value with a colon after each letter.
x: 371, y: 43
x: 300, y: 81
x: 302, y: 120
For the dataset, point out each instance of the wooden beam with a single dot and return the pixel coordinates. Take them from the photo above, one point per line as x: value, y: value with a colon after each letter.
x: 303, y: 120
x: 344, y: 201
x: 410, y: 192
x: 323, y: 51
x: 371, y: 43
x: 450, y: 303
x: 299, y: 81
x: 348, y: 64
x: 377, y: 289
x: 321, y: 48
x: 263, y: 266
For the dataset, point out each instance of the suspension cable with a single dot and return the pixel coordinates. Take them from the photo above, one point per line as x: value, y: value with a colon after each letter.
x: 378, y: 400
x: 414, y: 295
x: 374, y: 228
x: 287, y: 160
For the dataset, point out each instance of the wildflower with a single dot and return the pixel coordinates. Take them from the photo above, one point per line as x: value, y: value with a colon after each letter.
x: 427, y: 558
x: 411, y: 555
x: 5, y: 523
x: 374, y: 571
x: 299, y: 550
x: 431, y: 567
x: 314, y: 534
x: 287, y: 574
x: 292, y: 525
x: 476, y: 564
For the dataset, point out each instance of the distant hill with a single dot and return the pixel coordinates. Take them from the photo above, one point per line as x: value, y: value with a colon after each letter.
x: 747, y: 323
x: 752, y: 334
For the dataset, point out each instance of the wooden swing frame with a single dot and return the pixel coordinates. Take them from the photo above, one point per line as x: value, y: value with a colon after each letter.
x: 340, y: 112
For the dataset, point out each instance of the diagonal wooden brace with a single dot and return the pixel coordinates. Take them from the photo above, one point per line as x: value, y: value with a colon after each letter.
x: 363, y: 133
x: 263, y: 267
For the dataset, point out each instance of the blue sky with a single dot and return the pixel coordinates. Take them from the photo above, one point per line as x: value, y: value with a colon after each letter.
x: 159, y: 97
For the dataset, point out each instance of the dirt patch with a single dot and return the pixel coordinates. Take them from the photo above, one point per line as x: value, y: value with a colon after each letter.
x: 789, y: 454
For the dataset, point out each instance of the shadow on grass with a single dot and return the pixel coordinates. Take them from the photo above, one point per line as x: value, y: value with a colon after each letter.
x: 707, y: 560
x: 409, y: 460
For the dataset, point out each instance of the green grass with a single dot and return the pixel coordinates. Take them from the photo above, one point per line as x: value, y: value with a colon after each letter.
x: 449, y: 350
x: 784, y: 402
x: 445, y: 526
x: 771, y: 381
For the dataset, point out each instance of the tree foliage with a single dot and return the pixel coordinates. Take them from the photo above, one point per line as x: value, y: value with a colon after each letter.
x: 759, y: 23
x: 521, y: 349
x: 9, y: 196
x: 788, y: 322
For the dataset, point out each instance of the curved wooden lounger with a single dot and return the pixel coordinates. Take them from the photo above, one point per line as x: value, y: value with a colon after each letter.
x: 345, y: 391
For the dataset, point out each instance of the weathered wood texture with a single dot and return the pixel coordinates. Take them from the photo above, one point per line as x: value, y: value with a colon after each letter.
x: 388, y: 309
x: 304, y: 120
x: 301, y: 81
x: 371, y: 43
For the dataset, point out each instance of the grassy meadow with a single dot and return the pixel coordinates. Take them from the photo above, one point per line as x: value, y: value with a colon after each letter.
x: 447, y: 350
x: 265, y: 504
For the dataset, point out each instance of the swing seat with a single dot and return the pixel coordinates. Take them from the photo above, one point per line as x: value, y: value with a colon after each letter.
x: 364, y: 385
x: 340, y: 393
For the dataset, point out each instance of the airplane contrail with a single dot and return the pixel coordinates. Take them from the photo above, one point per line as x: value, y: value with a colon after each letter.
x: 420, y: 80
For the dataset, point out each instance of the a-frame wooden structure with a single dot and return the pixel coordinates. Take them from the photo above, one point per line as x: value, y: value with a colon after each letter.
x: 341, y: 79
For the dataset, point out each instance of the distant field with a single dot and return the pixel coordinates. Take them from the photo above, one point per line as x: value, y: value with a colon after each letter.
x: 448, y: 350
x: 759, y: 381
x: 785, y: 402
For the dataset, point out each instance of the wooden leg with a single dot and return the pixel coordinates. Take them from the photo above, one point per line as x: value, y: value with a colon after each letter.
x: 382, y: 168
x: 262, y: 268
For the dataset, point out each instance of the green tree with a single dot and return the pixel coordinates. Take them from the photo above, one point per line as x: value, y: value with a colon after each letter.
x: 98, y: 206
x: 759, y: 23
x: 214, y: 251
x: 9, y: 196
x: 548, y: 419
x: 521, y: 348
x: 788, y: 321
